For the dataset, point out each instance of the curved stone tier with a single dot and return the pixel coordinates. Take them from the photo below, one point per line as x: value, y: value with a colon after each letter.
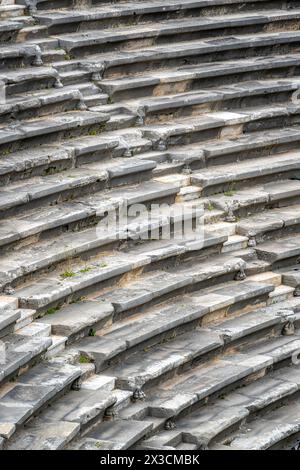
x: 118, y: 332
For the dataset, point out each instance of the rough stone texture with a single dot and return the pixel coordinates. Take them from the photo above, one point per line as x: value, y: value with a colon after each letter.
x: 121, y: 332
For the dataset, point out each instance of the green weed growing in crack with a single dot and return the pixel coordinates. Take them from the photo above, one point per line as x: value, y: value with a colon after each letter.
x: 67, y: 274
x: 84, y: 360
x: 51, y: 310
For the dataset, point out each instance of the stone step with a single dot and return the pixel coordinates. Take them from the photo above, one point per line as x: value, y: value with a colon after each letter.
x: 207, y: 426
x: 9, y: 29
x: 145, y: 369
x: 51, y: 56
x: 68, y: 415
x: 280, y: 252
x: 42, y: 434
x: 74, y: 76
x: 281, y: 294
x: 41, y: 189
x: 223, y: 178
x: 25, y: 318
x: 124, y: 398
x: 240, y: 147
x: 158, y: 56
x: 154, y: 327
x: 96, y: 100
x: 125, y: 12
x: 20, y: 351
x: 270, y: 431
x: 72, y: 279
x: 17, y: 162
x: 83, y: 211
x: 212, y: 379
x: 44, y: 4
x: 115, y: 435
x: 64, y: 247
x: 81, y: 406
x: 194, y: 77
x: 48, y: 290
x: 11, y: 11
x: 247, y: 399
x: 252, y: 200
x: 41, y: 104
x: 8, y: 319
x: 193, y: 104
x: 24, y: 133
x: 85, y: 243
x: 35, y: 329
x: 161, y: 32
x: 234, y: 243
x: 24, y: 55
x: 254, y: 325
x: 46, y: 43
x: 291, y: 277
x: 48, y: 159
x: 8, y: 303
x: 30, y: 32
x: 78, y: 319
x: 27, y: 79
x: 219, y: 124
x: 228, y: 97
x: 185, y: 158
x: 270, y: 224
x: 33, y: 391
x: 58, y: 346
x: 10, y: 314
x: 44, y: 100
x: 70, y: 183
x: 187, y: 277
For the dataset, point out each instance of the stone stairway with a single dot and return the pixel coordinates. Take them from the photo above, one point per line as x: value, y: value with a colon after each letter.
x: 125, y: 338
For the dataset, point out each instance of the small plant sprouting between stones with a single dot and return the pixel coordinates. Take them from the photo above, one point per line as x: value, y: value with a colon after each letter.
x: 51, y: 310
x: 67, y: 274
x: 229, y: 193
x: 86, y: 269
x: 84, y: 360
x: 80, y: 299
x: 99, y: 130
x: 92, y: 332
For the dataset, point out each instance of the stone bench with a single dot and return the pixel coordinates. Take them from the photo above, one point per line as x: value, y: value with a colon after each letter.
x: 244, y: 202
x: 161, y: 324
x: 223, y: 177
x: 207, y: 426
x: 92, y: 39
x: 280, y: 251
x: 83, y: 209
x: 215, y: 125
x: 270, y: 224
x: 216, y: 98
x: 124, y: 11
x: 183, y: 78
x: 53, y: 128
x: 162, y: 55
x: 49, y: 289
x: 211, y: 379
x: 273, y: 429
x: 21, y: 350
x: 33, y: 391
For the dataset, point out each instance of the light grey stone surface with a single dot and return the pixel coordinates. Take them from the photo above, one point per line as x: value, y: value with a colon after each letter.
x: 121, y: 432
x: 46, y: 435
x: 192, y: 103
x: 78, y: 317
